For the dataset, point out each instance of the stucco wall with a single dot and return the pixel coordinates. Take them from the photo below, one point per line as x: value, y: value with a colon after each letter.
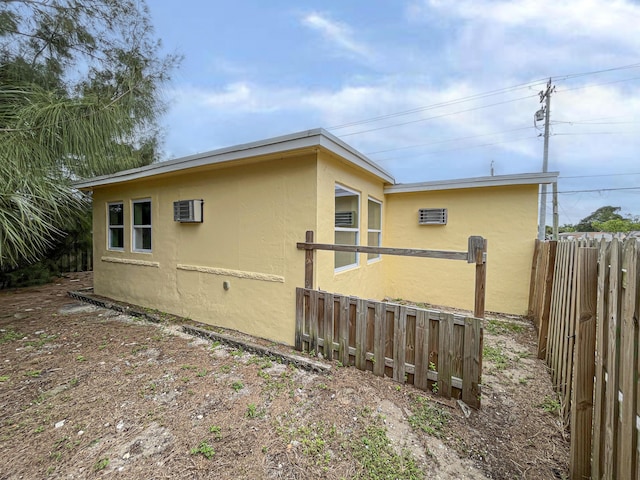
x: 505, y: 216
x: 367, y: 279
x: 253, y: 216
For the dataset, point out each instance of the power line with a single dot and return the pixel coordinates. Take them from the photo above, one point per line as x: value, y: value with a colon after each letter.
x: 433, y: 152
x: 436, y: 116
x: 512, y: 88
x: 448, y: 140
x: 601, y: 175
x: 592, y: 123
x: 595, y: 72
x: 440, y: 104
x: 600, y: 190
x: 594, y: 133
x: 599, y: 84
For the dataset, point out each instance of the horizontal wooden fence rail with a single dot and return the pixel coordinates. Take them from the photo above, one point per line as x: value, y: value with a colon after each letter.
x: 436, y: 351
x: 476, y: 253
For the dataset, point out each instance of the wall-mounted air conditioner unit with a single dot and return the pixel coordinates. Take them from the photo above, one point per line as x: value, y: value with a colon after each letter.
x: 188, y: 211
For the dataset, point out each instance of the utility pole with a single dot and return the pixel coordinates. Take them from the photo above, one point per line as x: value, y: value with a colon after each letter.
x: 545, y: 96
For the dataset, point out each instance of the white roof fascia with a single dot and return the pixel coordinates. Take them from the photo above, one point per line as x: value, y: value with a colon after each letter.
x: 477, y: 182
x: 342, y: 149
x: 295, y: 141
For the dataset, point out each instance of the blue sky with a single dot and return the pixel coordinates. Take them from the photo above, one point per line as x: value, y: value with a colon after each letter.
x: 429, y: 89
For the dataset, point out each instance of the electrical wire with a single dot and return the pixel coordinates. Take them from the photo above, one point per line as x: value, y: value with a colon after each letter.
x: 448, y: 140
x: 436, y: 116
x: 433, y: 152
x: 440, y: 104
x: 512, y: 88
x: 598, y: 190
x: 601, y: 175
x: 597, y: 84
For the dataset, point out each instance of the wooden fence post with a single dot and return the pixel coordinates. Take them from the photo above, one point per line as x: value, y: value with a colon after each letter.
x: 477, y: 252
x: 534, y: 277
x: 308, y: 261
x: 547, y: 291
x: 584, y: 364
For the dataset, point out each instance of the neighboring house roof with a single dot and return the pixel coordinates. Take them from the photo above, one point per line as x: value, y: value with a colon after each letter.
x: 493, y: 181
x: 309, y: 139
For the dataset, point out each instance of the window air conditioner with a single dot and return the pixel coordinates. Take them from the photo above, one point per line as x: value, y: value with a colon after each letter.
x: 187, y: 211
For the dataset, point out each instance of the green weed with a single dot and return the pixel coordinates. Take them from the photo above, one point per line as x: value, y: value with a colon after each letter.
x: 253, y: 412
x: 237, y: 386
x: 42, y: 340
x: 217, y: 431
x: 550, y: 404
x: 203, y: 449
x: 101, y: 464
x: 378, y: 459
x: 10, y: 335
x: 427, y: 417
x: 500, y: 327
x: 496, y: 356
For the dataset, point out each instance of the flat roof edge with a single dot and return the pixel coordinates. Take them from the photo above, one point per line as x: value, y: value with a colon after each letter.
x: 476, y: 182
x: 295, y: 141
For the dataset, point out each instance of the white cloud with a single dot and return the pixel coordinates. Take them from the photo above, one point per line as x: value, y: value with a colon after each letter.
x: 337, y: 33
x: 480, y: 45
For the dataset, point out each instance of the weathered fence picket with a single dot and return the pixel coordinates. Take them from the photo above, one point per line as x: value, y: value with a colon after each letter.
x: 435, y: 351
x: 592, y: 351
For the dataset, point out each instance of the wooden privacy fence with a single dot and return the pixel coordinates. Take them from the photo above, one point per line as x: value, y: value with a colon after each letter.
x: 592, y: 351
x: 435, y: 351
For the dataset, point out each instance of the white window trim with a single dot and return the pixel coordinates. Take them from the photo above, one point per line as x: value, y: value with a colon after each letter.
x: 109, y: 227
x: 373, y: 230
x: 135, y: 227
x: 356, y: 264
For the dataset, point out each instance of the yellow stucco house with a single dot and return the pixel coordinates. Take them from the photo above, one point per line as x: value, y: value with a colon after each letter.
x: 213, y: 236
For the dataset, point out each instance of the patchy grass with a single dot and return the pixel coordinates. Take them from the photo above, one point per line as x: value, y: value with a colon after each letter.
x: 428, y: 417
x: 101, y: 464
x: 203, y: 449
x: 379, y: 461
x: 10, y: 335
x: 550, y: 404
x: 500, y: 327
x: 496, y: 356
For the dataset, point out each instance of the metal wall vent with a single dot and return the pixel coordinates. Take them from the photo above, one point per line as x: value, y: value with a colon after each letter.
x: 432, y: 216
x: 187, y: 211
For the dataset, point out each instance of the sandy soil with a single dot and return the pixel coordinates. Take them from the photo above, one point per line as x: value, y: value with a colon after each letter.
x: 86, y: 392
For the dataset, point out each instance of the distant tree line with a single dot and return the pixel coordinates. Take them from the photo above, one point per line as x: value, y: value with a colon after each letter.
x: 605, y: 219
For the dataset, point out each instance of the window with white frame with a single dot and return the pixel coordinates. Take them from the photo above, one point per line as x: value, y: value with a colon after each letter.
x: 374, y: 228
x: 115, y: 221
x: 141, y: 225
x: 347, y: 219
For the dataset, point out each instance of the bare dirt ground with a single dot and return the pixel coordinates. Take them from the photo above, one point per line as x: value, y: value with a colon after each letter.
x: 86, y: 392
